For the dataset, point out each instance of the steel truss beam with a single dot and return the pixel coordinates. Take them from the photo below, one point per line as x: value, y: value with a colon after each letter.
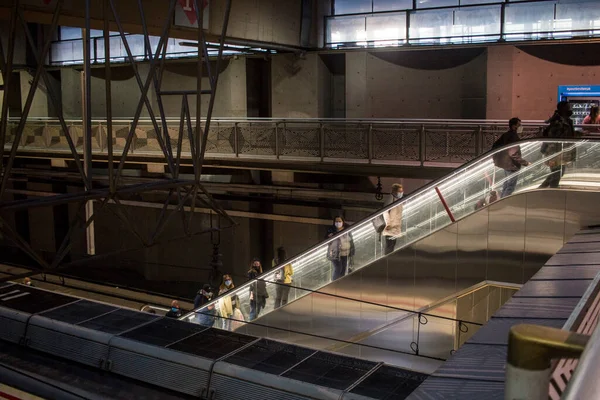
x: 189, y: 192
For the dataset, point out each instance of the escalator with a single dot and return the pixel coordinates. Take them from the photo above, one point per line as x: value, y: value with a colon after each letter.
x: 454, y: 235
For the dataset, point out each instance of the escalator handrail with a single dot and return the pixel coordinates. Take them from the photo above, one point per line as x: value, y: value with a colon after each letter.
x: 487, y: 155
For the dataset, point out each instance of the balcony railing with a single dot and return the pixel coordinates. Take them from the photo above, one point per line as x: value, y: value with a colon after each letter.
x: 431, y: 143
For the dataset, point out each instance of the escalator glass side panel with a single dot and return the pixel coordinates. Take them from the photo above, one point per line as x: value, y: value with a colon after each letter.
x: 474, y: 186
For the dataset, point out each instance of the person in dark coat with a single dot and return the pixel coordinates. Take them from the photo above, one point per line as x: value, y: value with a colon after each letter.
x: 560, y: 126
x: 510, y: 160
x: 175, y: 311
x: 341, y: 250
x: 207, y: 316
x: 258, y: 290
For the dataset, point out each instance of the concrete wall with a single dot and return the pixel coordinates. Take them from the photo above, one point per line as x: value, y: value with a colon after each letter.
x: 523, y: 85
x: 275, y: 21
x: 298, y: 86
x: 230, y: 101
x: 376, y: 88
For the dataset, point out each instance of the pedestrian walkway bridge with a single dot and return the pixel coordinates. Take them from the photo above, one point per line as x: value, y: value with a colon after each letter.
x: 411, y: 148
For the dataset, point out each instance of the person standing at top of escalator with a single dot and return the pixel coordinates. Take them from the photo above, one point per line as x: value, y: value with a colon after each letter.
x: 510, y: 160
x: 258, y: 289
x: 283, y: 278
x: 393, y: 218
x: 560, y: 127
x: 340, y: 250
x: 175, y: 311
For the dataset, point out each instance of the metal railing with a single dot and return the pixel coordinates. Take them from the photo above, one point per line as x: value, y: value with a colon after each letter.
x: 435, y: 143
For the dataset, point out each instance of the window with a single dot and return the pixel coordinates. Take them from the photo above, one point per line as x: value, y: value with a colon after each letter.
x: 436, y: 3
x: 387, y: 29
x: 392, y: 5
x: 528, y: 21
x: 346, y: 29
x: 429, y: 26
x: 571, y: 15
x: 352, y: 6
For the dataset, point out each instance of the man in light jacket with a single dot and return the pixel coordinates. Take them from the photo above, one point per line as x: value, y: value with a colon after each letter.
x: 393, y: 219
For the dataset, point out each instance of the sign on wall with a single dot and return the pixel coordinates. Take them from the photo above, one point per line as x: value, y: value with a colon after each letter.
x: 567, y: 91
x: 185, y: 13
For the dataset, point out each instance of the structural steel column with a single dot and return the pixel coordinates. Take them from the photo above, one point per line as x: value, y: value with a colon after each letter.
x: 87, y: 134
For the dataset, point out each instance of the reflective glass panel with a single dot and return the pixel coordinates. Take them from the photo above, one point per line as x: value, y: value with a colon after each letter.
x: 436, y: 3
x: 385, y: 28
x: 346, y: 29
x: 352, y: 6
x: 392, y: 5
x: 528, y: 21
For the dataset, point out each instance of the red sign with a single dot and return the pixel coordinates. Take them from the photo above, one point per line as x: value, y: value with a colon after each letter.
x: 189, y: 9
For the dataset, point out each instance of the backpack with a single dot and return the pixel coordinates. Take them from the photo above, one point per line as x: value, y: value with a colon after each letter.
x: 379, y: 223
x: 497, y: 158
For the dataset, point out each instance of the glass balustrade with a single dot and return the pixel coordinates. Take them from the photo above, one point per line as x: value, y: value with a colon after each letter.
x: 432, y: 334
x: 473, y: 186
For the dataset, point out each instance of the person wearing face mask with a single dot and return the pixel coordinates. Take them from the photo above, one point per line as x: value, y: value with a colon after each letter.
x: 205, y: 295
x: 340, y: 250
x: 393, y: 219
x: 283, y: 277
x: 258, y: 290
x: 175, y: 311
x: 510, y: 160
x: 560, y: 126
x: 225, y: 305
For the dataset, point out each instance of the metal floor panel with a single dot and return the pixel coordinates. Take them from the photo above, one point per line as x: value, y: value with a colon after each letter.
x: 389, y: 383
x: 475, y: 362
x: 436, y: 388
x: 31, y: 300
x: 269, y: 356
x: 79, y: 311
x: 212, y: 343
x: 554, y: 288
x: 331, y: 371
x: 163, y: 332
x: 496, y: 330
x: 524, y: 307
x: 118, y: 321
x: 574, y: 272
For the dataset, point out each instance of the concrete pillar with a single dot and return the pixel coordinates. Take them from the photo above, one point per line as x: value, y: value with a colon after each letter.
x: 295, y: 86
x: 500, y: 82
x: 41, y: 106
x: 356, y: 85
x: 70, y: 82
